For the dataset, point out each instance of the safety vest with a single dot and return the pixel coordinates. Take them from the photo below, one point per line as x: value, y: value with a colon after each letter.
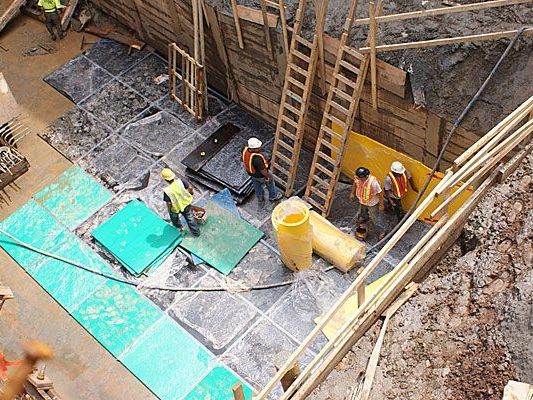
x: 399, y: 185
x: 49, y: 6
x: 247, y: 158
x: 364, y: 191
x: 178, y: 195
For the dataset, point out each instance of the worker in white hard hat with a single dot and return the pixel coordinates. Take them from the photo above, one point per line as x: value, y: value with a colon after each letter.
x: 396, y: 186
x: 256, y: 165
x: 178, y: 197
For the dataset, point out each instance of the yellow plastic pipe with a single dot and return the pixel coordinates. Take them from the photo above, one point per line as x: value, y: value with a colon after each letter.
x: 293, y: 233
x: 333, y: 245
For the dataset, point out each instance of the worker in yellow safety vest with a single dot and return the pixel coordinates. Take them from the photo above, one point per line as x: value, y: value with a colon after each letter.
x: 178, y: 197
x: 396, y: 186
x: 367, y: 190
x: 256, y: 166
x: 51, y: 17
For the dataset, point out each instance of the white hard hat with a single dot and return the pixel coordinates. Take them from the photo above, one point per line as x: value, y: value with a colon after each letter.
x: 397, y: 167
x: 254, y: 143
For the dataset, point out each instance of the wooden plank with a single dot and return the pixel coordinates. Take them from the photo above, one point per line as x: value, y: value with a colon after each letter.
x: 237, y: 22
x: 255, y: 16
x: 372, y: 41
x: 10, y: 12
x: 68, y: 11
x: 442, y: 11
x: 447, y: 41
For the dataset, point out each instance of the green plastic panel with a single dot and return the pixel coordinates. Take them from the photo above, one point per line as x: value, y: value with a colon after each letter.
x: 34, y: 225
x: 168, y: 360
x: 67, y: 284
x: 217, y: 385
x: 116, y: 315
x: 73, y: 197
x: 137, y: 237
x: 224, y: 240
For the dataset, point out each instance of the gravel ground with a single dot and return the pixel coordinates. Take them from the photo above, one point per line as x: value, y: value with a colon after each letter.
x: 468, y: 329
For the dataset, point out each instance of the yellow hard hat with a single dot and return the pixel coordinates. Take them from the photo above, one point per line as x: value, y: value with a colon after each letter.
x: 167, y: 174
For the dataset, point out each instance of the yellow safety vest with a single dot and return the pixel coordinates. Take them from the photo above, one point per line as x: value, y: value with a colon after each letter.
x: 179, y: 196
x: 49, y: 6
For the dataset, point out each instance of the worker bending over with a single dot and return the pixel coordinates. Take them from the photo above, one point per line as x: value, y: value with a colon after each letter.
x: 52, y: 18
x: 256, y: 166
x: 368, y: 192
x: 396, y: 186
x: 178, y: 196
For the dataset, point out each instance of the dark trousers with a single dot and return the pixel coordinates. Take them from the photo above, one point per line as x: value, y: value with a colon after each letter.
x: 371, y: 213
x: 189, y: 217
x: 52, y: 21
x: 394, y: 206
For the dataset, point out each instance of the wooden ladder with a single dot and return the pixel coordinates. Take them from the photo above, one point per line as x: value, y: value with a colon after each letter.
x: 299, y: 78
x: 341, y: 106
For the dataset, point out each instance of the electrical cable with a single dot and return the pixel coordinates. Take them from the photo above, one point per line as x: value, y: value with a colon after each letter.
x: 456, y: 124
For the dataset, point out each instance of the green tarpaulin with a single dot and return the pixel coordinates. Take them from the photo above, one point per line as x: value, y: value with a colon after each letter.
x: 137, y: 237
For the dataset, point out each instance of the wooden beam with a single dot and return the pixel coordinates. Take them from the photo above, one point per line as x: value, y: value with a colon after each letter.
x: 238, y: 392
x: 283, y: 16
x: 256, y: 16
x: 447, y: 41
x: 67, y: 14
x: 10, y: 12
x: 372, y: 42
x: 237, y: 22
x: 266, y: 29
x: 442, y: 11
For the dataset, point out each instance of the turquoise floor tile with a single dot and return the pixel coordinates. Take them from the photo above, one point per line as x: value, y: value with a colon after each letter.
x: 116, y: 315
x: 67, y: 284
x: 73, y: 197
x: 217, y: 385
x: 137, y: 237
x: 34, y: 225
x: 167, y: 360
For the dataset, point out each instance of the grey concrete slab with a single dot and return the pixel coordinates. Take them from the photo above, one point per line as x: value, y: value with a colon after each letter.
x: 114, y: 56
x: 182, y: 149
x: 260, y: 267
x: 253, y: 355
x: 75, y: 133
x: 215, y: 318
x: 142, y: 76
x: 156, y: 134
x: 78, y: 78
x: 115, y: 105
x: 115, y: 163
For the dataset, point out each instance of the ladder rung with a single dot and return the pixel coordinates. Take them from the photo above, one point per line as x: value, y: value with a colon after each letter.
x: 284, y: 158
x: 331, y: 146
x: 353, y: 53
x: 327, y: 158
x: 303, y: 41
x: 298, y: 69
x: 300, y: 55
x: 294, y: 82
x: 332, y: 133
x: 294, y: 96
x: 320, y: 180
x: 285, y: 131
x: 342, y: 94
x: 280, y: 169
x: 285, y: 145
x: 271, y: 4
x: 318, y: 193
x: 339, y: 107
x: 333, y: 118
x: 350, y: 67
x: 323, y: 169
x: 314, y: 203
x: 346, y: 81
x: 292, y: 109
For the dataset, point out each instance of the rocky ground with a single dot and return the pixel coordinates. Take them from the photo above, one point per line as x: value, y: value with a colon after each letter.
x: 469, y: 328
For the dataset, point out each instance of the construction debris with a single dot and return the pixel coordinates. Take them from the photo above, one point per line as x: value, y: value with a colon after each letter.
x: 119, y: 37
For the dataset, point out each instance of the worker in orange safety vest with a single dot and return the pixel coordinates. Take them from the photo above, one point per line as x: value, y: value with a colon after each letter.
x: 396, y: 186
x: 257, y: 167
x: 367, y: 190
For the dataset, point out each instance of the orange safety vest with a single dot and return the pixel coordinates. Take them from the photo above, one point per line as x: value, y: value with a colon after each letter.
x: 247, y: 158
x: 399, y: 185
x: 364, y: 191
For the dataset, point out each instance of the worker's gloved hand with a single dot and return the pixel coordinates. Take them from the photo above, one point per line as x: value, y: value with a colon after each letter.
x: 352, y: 197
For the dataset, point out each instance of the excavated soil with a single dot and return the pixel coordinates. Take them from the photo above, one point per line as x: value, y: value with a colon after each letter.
x: 469, y: 328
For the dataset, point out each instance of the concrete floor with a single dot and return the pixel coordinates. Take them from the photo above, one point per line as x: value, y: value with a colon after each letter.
x: 81, y: 367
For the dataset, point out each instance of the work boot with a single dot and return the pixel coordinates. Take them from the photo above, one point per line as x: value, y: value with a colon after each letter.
x: 279, y: 196
x: 62, y: 35
x: 54, y: 37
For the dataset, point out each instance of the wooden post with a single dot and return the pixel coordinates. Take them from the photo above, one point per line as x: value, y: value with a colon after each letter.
x: 372, y: 40
x: 291, y: 375
x: 34, y: 351
x: 238, y: 392
x: 283, y: 16
x: 237, y: 22
x: 266, y: 28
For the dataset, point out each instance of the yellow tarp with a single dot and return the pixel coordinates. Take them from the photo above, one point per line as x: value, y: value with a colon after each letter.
x: 348, y: 309
x: 363, y: 151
